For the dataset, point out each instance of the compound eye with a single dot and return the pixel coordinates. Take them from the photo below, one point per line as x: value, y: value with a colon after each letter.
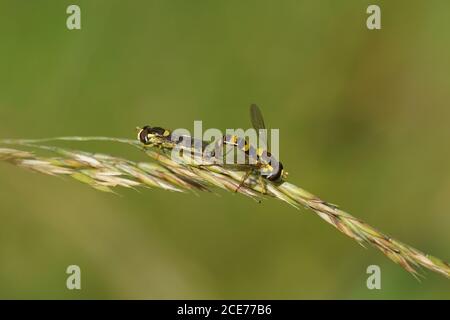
x: 143, y: 135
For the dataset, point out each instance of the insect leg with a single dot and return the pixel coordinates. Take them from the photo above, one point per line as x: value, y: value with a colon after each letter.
x: 263, y: 185
x: 244, y: 178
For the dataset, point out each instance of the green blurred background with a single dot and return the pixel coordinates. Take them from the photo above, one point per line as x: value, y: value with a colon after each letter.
x: 364, y: 123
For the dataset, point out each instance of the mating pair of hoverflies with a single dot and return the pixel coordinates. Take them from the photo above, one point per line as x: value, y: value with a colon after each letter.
x: 259, y: 160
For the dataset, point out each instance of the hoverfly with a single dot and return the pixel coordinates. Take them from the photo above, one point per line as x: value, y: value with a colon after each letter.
x: 259, y: 160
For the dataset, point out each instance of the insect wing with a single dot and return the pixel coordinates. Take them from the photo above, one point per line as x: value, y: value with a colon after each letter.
x: 256, y: 117
x: 258, y: 123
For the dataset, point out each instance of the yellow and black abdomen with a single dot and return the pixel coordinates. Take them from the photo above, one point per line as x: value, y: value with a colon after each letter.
x: 270, y: 168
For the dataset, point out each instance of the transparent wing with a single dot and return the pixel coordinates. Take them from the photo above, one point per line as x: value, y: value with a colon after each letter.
x: 256, y: 117
x: 258, y: 124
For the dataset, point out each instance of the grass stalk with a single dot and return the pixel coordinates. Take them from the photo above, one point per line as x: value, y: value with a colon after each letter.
x: 105, y: 172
